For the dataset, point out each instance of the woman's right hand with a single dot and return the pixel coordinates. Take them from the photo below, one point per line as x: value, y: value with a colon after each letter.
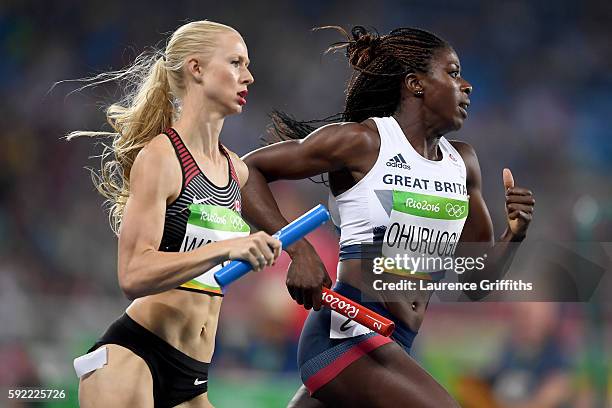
x: 306, y: 276
x: 259, y: 249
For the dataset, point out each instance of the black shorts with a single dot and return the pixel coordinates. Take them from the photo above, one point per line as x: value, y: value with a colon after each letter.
x: 176, y: 376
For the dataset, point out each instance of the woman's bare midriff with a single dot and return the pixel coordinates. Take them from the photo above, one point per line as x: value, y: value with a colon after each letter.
x: 407, y: 306
x: 185, y: 320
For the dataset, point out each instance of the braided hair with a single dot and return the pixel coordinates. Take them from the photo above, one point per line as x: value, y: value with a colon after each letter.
x: 381, y: 63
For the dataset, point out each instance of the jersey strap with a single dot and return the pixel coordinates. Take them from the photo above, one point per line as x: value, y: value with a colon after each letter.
x: 188, y: 164
x: 233, y: 173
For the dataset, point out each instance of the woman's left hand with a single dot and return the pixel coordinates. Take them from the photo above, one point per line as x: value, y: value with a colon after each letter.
x: 519, y: 206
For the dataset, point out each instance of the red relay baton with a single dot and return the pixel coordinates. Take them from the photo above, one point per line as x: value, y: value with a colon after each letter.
x: 359, y: 313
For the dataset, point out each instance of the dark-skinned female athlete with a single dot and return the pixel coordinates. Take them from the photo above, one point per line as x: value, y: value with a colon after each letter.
x: 391, y: 173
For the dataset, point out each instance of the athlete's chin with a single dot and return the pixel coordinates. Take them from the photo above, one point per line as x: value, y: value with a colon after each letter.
x: 458, y: 123
x: 234, y: 110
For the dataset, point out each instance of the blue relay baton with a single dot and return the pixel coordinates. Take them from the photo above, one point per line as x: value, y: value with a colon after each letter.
x: 289, y: 234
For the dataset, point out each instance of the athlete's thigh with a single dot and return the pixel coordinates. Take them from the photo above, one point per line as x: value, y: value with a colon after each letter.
x: 302, y: 399
x: 125, y: 381
x: 385, y: 377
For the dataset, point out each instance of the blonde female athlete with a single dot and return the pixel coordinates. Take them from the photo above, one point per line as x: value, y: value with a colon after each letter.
x: 175, y: 195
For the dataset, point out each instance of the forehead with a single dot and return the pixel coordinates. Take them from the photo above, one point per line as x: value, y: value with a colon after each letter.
x: 231, y: 43
x: 445, y: 57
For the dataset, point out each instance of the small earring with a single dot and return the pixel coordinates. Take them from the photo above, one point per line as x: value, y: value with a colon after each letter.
x: 419, y: 93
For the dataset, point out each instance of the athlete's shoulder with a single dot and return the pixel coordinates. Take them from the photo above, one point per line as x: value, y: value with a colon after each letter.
x: 465, y: 149
x: 363, y: 135
x: 158, y: 149
x: 156, y: 159
x: 472, y: 167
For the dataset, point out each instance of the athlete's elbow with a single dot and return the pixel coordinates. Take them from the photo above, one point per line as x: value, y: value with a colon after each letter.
x: 257, y: 169
x: 130, y: 285
x: 252, y: 163
x: 476, y: 295
x: 129, y: 289
x: 132, y: 294
x: 129, y: 295
x: 475, y: 292
x: 132, y: 273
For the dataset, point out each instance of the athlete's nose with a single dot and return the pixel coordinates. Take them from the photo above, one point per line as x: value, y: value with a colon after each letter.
x: 248, y: 79
x: 466, y: 87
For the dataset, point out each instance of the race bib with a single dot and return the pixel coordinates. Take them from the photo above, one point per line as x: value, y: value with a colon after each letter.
x: 206, y: 224
x: 342, y: 327
x: 423, y: 229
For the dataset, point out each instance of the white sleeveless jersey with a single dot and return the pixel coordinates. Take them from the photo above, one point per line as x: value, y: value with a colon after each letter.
x: 406, y: 202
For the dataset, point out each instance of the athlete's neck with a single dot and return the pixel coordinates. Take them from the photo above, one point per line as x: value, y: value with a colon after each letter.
x: 200, y: 128
x: 424, y: 139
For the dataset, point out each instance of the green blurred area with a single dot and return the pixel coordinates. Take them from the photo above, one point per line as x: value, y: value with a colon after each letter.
x: 255, y: 391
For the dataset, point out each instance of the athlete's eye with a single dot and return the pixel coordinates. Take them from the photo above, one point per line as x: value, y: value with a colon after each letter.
x: 236, y: 63
x: 455, y: 74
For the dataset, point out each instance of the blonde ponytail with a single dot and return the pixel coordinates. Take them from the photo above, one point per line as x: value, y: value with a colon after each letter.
x: 154, y: 84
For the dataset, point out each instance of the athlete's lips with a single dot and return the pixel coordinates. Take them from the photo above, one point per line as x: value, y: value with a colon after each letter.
x: 242, y: 95
x: 463, y: 106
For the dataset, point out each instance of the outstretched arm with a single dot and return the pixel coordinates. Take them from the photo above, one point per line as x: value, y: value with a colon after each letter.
x: 329, y: 148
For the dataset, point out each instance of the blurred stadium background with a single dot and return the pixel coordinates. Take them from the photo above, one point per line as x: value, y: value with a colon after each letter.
x: 542, y: 104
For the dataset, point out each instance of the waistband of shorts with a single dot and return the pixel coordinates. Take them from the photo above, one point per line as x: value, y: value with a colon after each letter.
x: 156, y: 342
x: 360, y: 251
x: 402, y: 333
x: 374, y: 250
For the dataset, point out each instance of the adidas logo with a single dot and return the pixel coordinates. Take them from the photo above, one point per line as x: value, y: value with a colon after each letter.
x: 398, y: 161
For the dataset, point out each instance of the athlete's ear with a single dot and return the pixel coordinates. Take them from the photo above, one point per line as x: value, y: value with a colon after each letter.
x: 194, y: 69
x: 413, y: 84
